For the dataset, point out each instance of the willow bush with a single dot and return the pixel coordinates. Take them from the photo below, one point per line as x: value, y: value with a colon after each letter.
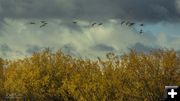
x: 47, y: 76
x: 2, y: 92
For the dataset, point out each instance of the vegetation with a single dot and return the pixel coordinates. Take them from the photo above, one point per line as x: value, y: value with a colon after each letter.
x: 48, y: 76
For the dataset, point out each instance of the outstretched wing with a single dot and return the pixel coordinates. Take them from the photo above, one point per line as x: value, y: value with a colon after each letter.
x: 44, y: 24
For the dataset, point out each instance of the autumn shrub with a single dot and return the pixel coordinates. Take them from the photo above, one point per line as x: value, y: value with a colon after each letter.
x: 47, y: 76
x: 1, y: 78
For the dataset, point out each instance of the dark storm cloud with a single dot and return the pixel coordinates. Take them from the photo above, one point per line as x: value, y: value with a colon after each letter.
x: 139, y: 10
x: 34, y: 8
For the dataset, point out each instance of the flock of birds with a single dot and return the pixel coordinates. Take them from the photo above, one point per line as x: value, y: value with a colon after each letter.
x: 127, y: 23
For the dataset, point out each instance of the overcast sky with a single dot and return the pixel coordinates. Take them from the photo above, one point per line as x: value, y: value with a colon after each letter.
x: 18, y: 38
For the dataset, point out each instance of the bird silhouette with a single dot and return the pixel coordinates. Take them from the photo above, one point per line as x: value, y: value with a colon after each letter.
x: 100, y: 24
x: 122, y: 22
x: 127, y: 23
x: 131, y: 24
x: 141, y: 24
x: 93, y: 24
x: 43, y: 21
x: 32, y: 23
x: 75, y: 22
x: 141, y: 31
x: 44, y: 24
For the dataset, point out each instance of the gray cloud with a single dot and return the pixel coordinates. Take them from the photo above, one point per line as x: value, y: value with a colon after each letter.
x: 139, y: 47
x: 80, y: 38
x: 24, y: 39
x: 4, y: 50
x: 33, y: 48
x: 70, y: 49
x: 138, y: 10
x: 102, y: 47
x: 28, y: 38
x: 5, y: 47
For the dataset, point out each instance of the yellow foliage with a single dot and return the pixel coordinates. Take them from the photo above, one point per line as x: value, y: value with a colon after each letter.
x: 48, y: 76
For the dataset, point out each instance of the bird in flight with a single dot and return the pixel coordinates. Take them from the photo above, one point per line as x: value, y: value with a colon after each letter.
x: 75, y: 22
x: 100, y: 24
x: 32, y: 23
x: 93, y: 24
x: 122, y: 22
x: 44, y: 24
x: 43, y: 21
x: 141, y: 31
x: 127, y: 23
x: 131, y: 24
x: 141, y: 24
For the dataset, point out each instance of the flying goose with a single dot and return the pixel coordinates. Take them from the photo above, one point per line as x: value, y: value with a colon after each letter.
x: 32, y: 23
x: 141, y: 24
x: 127, y: 22
x: 93, y: 24
x: 44, y: 24
x: 141, y: 31
x: 100, y: 24
x: 75, y: 22
x: 122, y: 22
x: 43, y: 21
x: 131, y: 24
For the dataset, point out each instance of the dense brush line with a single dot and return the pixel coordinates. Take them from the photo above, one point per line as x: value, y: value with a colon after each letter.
x: 47, y: 76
